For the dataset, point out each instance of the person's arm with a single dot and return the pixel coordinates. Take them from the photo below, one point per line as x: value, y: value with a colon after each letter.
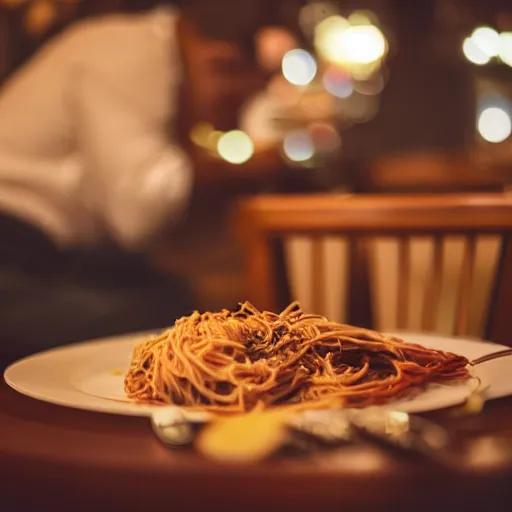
x: 139, y: 181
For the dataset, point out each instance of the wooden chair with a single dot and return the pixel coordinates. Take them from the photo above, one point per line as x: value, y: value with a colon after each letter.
x: 265, y: 220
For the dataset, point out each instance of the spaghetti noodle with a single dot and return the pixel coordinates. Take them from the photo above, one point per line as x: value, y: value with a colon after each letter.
x: 234, y: 361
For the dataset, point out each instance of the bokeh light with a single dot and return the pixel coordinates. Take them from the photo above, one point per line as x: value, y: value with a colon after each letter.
x: 494, y: 124
x: 364, y: 71
x: 342, y: 43
x: 299, y: 67
x: 213, y: 140
x: 337, y: 82
x: 474, y: 53
x: 236, y: 147
x: 505, y: 50
x: 362, y: 18
x: 371, y: 87
x: 364, y: 44
x: 272, y: 44
x: 328, y: 36
x: 298, y: 146
x: 487, y: 40
x: 200, y: 133
x: 325, y: 138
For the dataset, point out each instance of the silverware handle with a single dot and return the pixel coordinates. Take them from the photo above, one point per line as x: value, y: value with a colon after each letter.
x: 489, y: 357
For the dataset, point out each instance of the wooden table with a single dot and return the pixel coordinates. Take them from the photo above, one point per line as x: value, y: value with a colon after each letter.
x: 76, y: 460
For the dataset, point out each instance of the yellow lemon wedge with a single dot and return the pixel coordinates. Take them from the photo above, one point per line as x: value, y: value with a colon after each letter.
x: 246, y: 438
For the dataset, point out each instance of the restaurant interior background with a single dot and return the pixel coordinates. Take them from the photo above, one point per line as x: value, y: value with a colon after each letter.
x: 382, y: 96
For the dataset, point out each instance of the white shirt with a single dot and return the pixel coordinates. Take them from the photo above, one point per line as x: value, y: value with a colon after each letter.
x: 84, y: 151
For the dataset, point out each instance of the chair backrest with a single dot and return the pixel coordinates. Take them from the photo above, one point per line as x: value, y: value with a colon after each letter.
x: 363, y: 219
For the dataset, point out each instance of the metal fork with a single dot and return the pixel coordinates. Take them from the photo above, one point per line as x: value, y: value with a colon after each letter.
x: 493, y: 355
x: 474, y: 403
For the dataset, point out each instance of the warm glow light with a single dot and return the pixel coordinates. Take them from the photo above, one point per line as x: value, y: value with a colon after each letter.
x: 328, y: 36
x: 364, y: 71
x: 505, y: 51
x: 299, y: 67
x: 342, y: 43
x: 298, y: 146
x: 272, y: 44
x: 200, y: 133
x: 361, y: 18
x: 370, y: 87
x: 397, y: 423
x: 494, y: 124
x: 338, y: 83
x: 325, y: 138
x: 236, y: 147
x: 315, y: 105
x: 487, y: 40
x: 204, y: 135
x: 473, y: 53
x: 314, y: 13
x: 363, y: 44
x: 213, y: 140
x: 286, y: 94
x: 12, y: 4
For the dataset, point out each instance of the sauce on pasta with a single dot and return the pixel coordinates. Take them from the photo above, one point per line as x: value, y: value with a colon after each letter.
x: 235, y: 361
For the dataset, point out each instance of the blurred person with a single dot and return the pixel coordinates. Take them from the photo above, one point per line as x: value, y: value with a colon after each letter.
x: 93, y: 168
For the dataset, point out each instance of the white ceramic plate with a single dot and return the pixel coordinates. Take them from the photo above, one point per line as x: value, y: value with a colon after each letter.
x: 90, y: 375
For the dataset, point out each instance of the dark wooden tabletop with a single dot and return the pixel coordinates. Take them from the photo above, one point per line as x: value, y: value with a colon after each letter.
x: 69, y: 459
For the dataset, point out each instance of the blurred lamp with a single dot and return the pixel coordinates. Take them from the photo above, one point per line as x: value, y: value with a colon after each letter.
x: 337, y: 82
x: 299, y: 67
x: 40, y: 16
x: 328, y: 35
x: 505, y: 50
x: 236, y: 147
x: 363, y: 44
x: 487, y: 40
x: 298, y: 146
x: 474, y: 53
x: 494, y: 124
x: 338, y: 41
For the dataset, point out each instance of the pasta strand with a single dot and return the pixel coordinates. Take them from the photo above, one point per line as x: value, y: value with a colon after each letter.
x: 234, y: 361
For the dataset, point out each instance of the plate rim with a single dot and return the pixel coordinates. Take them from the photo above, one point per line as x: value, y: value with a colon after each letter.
x: 109, y: 406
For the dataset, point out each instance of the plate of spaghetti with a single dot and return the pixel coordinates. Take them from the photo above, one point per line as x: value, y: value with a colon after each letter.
x: 231, y: 362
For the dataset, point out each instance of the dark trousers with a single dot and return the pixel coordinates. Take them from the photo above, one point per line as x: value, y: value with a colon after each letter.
x: 50, y: 297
